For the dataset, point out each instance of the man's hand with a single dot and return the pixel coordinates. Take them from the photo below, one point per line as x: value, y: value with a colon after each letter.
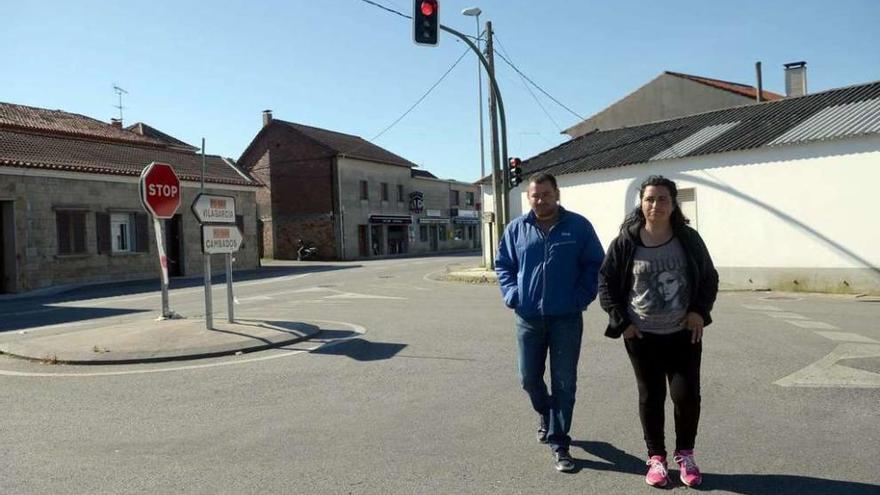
x: 632, y: 332
x: 694, y: 322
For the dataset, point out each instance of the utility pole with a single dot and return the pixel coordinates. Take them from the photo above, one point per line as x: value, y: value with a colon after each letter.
x: 497, y: 169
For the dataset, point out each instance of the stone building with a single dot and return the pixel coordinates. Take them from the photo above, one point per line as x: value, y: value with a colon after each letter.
x: 70, y: 209
x: 350, y: 198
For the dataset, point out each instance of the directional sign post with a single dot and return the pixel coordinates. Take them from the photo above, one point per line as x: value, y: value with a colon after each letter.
x: 160, y: 195
x: 220, y: 235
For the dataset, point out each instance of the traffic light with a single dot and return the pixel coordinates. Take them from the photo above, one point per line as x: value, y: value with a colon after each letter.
x: 515, y: 172
x: 426, y: 22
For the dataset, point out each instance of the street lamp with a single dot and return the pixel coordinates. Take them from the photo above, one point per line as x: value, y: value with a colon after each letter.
x: 475, y: 12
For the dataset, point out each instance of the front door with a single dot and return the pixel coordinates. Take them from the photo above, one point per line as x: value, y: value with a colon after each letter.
x: 435, y: 244
x: 174, y: 245
x: 3, y: 248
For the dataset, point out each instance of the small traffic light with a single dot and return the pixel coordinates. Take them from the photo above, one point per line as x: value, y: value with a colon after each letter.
x: 426, y: 22
x: 515, y: 172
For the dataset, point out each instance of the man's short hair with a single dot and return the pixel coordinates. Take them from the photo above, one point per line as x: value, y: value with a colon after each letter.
x: 542, y: 177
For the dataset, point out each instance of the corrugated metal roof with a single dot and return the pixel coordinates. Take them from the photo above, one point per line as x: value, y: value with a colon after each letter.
x: 830, y: 114
x: 694, y: 141
x: 849, y: 119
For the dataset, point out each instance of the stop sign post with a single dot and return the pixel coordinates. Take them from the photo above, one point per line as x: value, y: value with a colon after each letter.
x: 160, y: 195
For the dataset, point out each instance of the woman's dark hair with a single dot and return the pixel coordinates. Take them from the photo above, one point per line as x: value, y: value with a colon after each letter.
x: 636, y: 219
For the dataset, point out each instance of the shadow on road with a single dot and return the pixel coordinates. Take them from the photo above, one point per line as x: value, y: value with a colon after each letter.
x: 55, y: 316
x: 744, y: 483
x: 362, y: 350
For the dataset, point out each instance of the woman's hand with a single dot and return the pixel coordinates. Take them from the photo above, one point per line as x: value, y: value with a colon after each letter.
x: 694, y: 322
x: 632, y: 332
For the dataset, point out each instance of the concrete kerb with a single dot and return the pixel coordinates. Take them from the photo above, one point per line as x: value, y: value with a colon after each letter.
x: 168, y: 340
x: 473, y: 275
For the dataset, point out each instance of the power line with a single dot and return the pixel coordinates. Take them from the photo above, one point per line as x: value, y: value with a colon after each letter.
x: 536, y: 85
x: 534, y: 96
x: 388, y: 9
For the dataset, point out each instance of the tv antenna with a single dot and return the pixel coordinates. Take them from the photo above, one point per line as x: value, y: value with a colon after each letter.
x: 119, y: 92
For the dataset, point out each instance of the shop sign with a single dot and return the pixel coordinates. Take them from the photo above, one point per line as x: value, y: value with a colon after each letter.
x: 416, y: 202
x: 391, y: 219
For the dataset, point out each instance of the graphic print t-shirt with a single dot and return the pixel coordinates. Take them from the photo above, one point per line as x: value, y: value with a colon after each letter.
x: 660, y: 295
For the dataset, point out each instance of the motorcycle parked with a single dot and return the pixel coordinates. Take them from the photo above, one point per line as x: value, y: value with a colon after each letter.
x: 306, y: 251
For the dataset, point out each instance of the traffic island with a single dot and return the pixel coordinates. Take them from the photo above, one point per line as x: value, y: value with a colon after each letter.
x: 476, y: 275
x: 166, y: 340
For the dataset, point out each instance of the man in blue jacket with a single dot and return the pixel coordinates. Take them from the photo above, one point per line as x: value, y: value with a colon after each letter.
x: 548, y: 265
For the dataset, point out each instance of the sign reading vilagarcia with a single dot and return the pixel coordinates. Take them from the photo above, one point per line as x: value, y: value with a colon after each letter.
x: 214, y: 209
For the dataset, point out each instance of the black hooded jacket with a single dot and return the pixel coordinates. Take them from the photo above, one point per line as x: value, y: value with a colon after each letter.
x: 616, y: 277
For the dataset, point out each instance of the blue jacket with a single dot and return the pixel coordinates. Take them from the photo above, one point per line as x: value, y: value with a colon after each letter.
x: 553, y: 274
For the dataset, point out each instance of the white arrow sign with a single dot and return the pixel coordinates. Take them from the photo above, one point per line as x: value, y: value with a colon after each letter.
x: 210, y: 208
x: 218, y: 239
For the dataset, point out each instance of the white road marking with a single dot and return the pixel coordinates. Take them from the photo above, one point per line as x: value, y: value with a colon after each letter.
x: 353, y: 295
x: 812, y: 324
x: 848, y: 337
x: 357, y: 329
x: 827, y: 373
x: 253, y: 298
x: 785, y: 314
x: 761, y: 307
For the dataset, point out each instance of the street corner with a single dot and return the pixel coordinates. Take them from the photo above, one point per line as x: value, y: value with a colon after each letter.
x: 471, y: 275
x: 160, y: 341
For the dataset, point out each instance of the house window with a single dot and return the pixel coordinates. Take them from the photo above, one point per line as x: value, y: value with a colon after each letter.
x: 384, y: 191
x: 365, y: 190
x: 453, y: 197
x: 469, y: 198
x: 121, y: 232
x: 423, y: 233
x: 687, y: 199
x: 400, y: 198
x: 71, y: 230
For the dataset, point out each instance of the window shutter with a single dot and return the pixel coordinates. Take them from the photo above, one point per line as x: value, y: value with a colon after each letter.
x: 62, y: 221
x: 142, y: 233
x: 78, y: 224
x: 102, y: 232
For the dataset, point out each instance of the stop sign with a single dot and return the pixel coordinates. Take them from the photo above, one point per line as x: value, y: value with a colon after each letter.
x: 160, y: 190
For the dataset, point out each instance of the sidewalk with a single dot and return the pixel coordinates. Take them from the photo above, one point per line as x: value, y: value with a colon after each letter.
x: 157, y: 341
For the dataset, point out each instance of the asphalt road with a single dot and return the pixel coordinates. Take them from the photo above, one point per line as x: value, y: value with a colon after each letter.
x: 412, y: 388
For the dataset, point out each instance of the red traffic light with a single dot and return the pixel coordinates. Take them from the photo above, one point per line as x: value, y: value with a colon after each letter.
x: 428, y: 7
x: 515, y: 163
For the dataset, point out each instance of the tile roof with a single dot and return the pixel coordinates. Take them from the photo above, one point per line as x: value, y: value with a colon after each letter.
x: 151, y: 132
x: 740, y: 89
x: 30, y: 150
x: 422, y: 174
x: 59, y: 122
x: 349, y: 145
x: 833, y: 114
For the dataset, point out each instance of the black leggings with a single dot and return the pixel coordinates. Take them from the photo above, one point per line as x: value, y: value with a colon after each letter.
x: 656, y: 359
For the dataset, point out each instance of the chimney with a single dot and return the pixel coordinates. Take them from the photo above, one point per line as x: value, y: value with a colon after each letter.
x: 795, y: 79
x: 267, y: 117
x: 759, y: 96
x: 117, y: 123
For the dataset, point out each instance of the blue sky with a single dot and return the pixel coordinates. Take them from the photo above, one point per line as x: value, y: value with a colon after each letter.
x: 208, y: 69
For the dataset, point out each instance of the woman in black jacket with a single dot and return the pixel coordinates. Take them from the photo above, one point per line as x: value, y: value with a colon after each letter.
x: 658, y: 285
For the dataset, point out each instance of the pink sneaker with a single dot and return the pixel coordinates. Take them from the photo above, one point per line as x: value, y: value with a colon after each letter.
x: 657, y: 474
x: 689, y: 472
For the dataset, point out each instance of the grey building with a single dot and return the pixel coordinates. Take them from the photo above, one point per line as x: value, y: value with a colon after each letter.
x: 350, y: 198
x: 667, y: 96
x: 70, y: 209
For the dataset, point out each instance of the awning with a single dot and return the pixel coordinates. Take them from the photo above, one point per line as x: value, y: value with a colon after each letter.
x: 391, y: 219
x: 466, y: 220
x: 433, y: 220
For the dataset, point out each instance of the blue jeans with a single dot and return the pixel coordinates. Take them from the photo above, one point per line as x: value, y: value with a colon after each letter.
x: 561, y: 336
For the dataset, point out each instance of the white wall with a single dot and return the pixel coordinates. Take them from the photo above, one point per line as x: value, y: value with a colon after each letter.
x: 788, y: 211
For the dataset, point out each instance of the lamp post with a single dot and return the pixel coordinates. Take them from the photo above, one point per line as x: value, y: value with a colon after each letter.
x: 475, y: 12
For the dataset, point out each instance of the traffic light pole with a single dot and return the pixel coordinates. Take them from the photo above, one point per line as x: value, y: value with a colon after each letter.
x: 500, y: 189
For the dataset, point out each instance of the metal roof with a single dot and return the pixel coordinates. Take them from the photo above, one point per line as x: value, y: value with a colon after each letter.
x: 837, y: 113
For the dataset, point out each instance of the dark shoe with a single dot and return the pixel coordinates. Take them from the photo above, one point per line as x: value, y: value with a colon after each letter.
x: 542, y: 428
x: 564, y: 462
